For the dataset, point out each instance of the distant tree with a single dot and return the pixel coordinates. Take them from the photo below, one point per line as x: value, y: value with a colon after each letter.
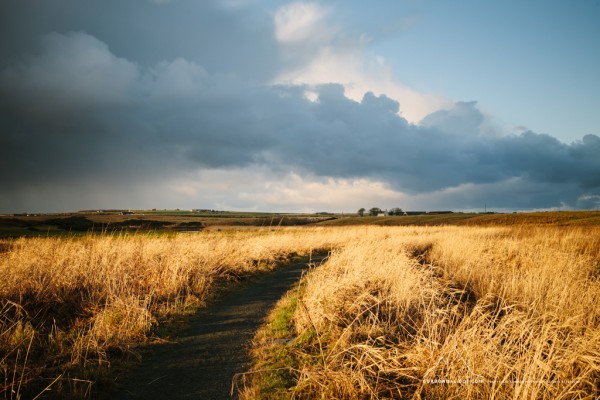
x: 361, y: 211
x: 396, y: 211
x: 374, y: 211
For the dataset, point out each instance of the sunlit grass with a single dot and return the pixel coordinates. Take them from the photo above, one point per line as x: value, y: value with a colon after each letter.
x: 73, y: 303
x: 492, y: 312
x: 469, y: 313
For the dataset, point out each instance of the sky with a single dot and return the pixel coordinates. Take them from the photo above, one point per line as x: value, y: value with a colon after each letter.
x: 299, y: 106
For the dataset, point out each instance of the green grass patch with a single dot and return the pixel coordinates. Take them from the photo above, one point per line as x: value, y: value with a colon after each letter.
x: 274, y: 357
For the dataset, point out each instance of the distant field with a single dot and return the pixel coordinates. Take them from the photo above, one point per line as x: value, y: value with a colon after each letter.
x: 144, y: 221
x: 177, y: 221
x: 562, y: 218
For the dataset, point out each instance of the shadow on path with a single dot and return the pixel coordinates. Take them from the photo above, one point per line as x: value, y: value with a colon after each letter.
x: 203, y: 360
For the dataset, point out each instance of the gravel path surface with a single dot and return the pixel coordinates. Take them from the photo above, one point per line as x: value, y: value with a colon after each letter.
x: 203, y: 360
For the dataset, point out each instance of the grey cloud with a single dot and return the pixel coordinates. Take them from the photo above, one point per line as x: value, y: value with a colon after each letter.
x: 502, y: 196
x: 345, y: 138
x: 72, y: 72
x: 74, y: 114
x: 351, y: 139
x: 545, y: 159
x: 588, y: 201
x: 235, y: 40
x: 463, y: 119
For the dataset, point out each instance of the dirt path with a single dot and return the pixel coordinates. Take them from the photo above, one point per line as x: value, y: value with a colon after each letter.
x: 202, y: 361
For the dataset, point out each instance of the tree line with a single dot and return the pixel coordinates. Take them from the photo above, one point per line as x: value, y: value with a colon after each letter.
x: 375, y: 211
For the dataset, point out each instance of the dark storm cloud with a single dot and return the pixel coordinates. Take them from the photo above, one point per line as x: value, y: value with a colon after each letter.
x: 345, y: 138
x: 74, y: 112
x: 76, y: 109
x: 225, y: 39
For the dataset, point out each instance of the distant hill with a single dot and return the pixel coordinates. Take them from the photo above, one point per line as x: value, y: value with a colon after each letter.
x: 558, y: 218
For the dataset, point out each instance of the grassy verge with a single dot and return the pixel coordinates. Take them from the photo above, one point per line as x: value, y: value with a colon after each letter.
x: 278, y: 351
x: 274, y: 365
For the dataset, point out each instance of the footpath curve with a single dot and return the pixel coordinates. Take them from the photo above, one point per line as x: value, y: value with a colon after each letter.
x: 202, y: 360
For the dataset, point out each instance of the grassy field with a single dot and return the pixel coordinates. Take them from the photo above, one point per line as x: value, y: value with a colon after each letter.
x: 560, y: 218
x: 81, y: 223
x: 440, y: 312
x: 169, y: 221
x: 69, y: 306
x: 490, y: 311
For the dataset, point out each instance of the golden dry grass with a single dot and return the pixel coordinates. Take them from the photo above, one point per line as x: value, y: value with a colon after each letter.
x: 67, y: 304
x: 452, y: 312
x: 397, y: 312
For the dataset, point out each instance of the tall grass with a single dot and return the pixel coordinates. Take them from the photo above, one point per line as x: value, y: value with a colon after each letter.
x: 452, y: 312
x: 396, y: 312
x: 68, y: 305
